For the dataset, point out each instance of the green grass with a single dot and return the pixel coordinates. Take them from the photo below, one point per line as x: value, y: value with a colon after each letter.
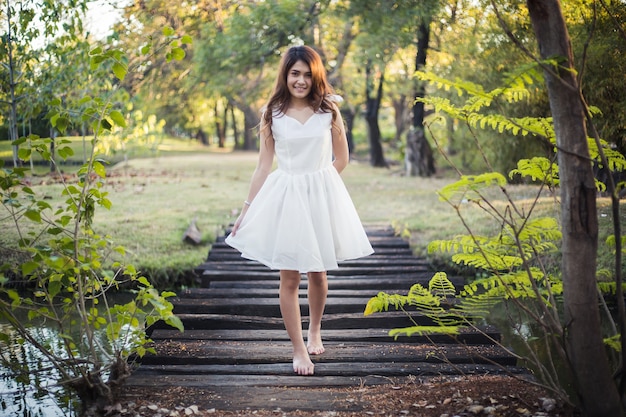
x: 155, y: 199
x: 82, y: 150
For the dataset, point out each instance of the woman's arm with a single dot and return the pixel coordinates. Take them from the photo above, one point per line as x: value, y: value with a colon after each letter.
x: 340, y: 143
x: 263, y: 169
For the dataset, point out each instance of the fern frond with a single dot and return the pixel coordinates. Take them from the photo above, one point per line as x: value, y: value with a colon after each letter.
x: 609, y: 287
x: 468, y: 187
x: 616, y: 161
x: 488, y: 260
x: 382, y: 301
x: 424, y: 330
x: 419, y: 298
x: 614, y: 342
x: 441, y: 286
x: 461, y: 86
x: 538, y: 168
x: 540, y: 235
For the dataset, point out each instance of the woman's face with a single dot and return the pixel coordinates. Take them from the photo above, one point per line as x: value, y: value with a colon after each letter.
x: 299, y: 80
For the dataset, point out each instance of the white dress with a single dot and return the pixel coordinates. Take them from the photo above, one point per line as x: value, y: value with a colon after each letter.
x: 302, y: 217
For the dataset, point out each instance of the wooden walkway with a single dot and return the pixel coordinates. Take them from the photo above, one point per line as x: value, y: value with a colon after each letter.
x: 234, y: 337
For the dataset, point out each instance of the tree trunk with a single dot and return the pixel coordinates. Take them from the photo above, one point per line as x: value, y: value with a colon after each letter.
x: 400, y: 110
x: 348, y: 118
x: 418, y: 158
x: 234, y: 124
x: 12, y: 84
x: 222, y: 140
x: 377, y: 157
x: 220, y: 125
x: 202, y: 137
x: 588, y: 359
x: 250, y: 122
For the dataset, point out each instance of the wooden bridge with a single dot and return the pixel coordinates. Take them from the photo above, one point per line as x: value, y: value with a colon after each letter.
x: 235, y: 345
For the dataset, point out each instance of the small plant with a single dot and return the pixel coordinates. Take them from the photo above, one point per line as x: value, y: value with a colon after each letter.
x: 68, y: 269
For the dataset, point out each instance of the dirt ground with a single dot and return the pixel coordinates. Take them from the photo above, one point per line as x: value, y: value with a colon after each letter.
x: 496, y: 396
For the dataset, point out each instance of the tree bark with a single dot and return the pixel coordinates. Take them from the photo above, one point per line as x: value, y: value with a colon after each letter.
x: 220, y: 125
x: 348, y: 117
x: 251, y: 120
x: 13, y: 135
x: 233, y: 120
x: 597, y: 392
x: 372, y: 105
x: 418, y: 157
x: 400, y: 110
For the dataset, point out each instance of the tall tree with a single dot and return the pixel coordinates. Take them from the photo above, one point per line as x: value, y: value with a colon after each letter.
x: 373, y: 97
x: 598, y: 393
x: 419, y: 158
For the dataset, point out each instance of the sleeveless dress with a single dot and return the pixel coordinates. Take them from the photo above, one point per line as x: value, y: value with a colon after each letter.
x: 302, y: 218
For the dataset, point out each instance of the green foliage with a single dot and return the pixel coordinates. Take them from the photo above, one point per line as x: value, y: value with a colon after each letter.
x: 511, y: 263
x: 64, y: 267
x: 538, y: 169
x: 429, y: 302
x: 479, y: 111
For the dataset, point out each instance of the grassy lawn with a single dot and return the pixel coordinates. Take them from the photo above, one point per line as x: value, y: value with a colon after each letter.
x: 155, y: 199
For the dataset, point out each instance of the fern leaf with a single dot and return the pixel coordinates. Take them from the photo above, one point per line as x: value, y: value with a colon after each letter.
x: 614, y: 342
x: 441, y: 286
x: 424, y: 330
x: 538, y: 169
x: 469, y: 187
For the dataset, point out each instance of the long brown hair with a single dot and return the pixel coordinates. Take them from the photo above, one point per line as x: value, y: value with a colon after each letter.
x: 321, y: 91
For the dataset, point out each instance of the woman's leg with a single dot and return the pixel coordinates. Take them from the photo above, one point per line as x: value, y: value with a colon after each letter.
x: 318, y: 290
x: 290, y: 310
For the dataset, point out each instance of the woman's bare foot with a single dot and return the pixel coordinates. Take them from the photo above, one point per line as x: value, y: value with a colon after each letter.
x: 302, y: 364
x: 314, y: 343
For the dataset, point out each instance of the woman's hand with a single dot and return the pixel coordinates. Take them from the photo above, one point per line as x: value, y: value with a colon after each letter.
x: 239, y: 220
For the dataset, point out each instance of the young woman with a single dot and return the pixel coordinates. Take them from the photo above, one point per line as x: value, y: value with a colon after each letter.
x: 300, y: 218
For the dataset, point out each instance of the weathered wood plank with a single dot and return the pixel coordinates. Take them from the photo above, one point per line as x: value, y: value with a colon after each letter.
x: 485, y: 335
x: 211, y: 275
x: 331, y: 322
x: 170, y: 352
x: 225, y: 254
x: 253, y: 292
x: 258, y: 397
x: 252, y: 380
x: 377, y: 283
x: 341, y: 369
x: 268, y: 307
x: 343, y: 271
x: 235, y: 260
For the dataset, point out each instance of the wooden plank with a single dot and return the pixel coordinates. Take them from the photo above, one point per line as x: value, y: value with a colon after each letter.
x: 253, y: 292
x: 331, y: 322
x: 268, y: 307
x: 209, y: 275
x: 485, y: 335
x: 220, y: 254
x: 323, y: 401
x: 252, y: 352
x: 234, y: 260
x: 374, y: 268
x: 341, y: 369
x: 378, y: 283
x: 252, y: 380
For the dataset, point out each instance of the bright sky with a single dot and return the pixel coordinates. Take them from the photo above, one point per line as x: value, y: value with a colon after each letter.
x: 102, y: 14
